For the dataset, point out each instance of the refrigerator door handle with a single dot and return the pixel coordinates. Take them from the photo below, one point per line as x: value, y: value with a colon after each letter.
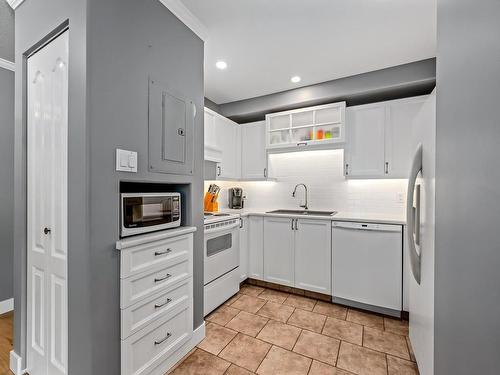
x: 413, y: 214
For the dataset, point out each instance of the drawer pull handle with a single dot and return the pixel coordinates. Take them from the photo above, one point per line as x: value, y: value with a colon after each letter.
x: 158, y: 253
x: 163, y: 278
x: 163, y: 339
x: 157, y: 306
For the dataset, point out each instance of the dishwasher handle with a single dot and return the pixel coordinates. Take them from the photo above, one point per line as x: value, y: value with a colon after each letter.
x: 367, y: 226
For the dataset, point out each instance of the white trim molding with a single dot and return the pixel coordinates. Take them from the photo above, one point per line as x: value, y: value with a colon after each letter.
x: 186, y: 17
x: 6, y: 306
x: 6, y: 64
x: 14, y: 3
x: 16, y: 363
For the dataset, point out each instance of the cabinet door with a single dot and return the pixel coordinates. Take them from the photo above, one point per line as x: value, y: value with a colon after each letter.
x: 212, y: 149
x: 256, y: 247
x: 364, y: 154
x: 313, y: 252
x: 278, y: 250
x: 398, y: 146
x: 243, y: 248
x: 253, y: 150
x: 229, y: 141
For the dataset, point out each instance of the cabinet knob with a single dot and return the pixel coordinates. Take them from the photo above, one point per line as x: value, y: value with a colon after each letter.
x: 47, y: 230
x: 180, y: 131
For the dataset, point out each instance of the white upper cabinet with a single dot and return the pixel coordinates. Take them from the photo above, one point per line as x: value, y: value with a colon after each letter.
x: 313, y: 126
x: 229, y: 140
x: 379, y: 138
x: 212, y: 149
x: 364, y: 154
x: 398, y: 145
x: 253, y: 151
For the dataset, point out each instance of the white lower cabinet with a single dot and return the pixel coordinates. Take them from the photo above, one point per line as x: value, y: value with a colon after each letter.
x: 297, y: 253
x: 313, y: 255
x: 156, y: 300
x: 256, y: 247
x: 243, y: 248
x: 279, y: 250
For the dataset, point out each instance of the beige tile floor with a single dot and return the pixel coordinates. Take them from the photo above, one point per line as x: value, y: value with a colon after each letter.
x: 267, y: 332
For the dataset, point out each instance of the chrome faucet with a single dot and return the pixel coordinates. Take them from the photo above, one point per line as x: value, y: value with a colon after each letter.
x: 304, y: 206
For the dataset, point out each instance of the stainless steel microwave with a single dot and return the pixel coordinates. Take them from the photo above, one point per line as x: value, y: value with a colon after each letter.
x: 149, y: 212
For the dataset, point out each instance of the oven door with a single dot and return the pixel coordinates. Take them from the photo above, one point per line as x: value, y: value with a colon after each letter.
x: 149, y: 212
x: 222, y: 250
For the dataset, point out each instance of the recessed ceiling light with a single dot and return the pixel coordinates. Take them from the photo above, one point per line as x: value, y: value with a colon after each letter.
x: 221, y: 65
x: 295, y: 79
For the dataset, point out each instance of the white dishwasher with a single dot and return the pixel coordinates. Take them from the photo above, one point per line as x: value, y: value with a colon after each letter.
x: 367, y: 266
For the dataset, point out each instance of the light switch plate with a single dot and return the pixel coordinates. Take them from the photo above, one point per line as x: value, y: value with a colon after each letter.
x: 126, y: 161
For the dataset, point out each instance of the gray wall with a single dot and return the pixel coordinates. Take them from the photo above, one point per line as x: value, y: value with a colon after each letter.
x: 6, y: 183
x: 6, y: 31
x: 114, y: 45
x: 6, y: 153
x: 34, y: 20
x: 417, y: 78
x: 128, y: 40
x: 467, y: 284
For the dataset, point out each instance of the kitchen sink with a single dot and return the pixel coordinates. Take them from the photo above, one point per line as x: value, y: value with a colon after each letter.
x: 303, y: 212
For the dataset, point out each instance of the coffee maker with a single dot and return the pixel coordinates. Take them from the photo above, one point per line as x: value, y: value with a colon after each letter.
x: 236, y: 198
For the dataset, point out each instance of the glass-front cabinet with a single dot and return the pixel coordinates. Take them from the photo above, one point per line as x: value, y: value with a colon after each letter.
x: 311, y: 126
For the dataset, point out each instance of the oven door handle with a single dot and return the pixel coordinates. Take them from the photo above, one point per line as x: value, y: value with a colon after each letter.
x: 223, y: 229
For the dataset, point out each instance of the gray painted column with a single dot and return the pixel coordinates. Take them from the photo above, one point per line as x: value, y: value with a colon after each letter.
x: 467, y: 279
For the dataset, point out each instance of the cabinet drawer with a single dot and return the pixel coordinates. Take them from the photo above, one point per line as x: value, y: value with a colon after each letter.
x: 166, y: 302
x: 139, y: 258
x: 138, y: 287
x: 147, y: 349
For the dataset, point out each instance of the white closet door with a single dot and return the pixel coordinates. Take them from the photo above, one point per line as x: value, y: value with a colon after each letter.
x: 47, y: 133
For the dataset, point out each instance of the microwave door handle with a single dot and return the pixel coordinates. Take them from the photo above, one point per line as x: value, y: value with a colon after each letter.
x: 413, y: 214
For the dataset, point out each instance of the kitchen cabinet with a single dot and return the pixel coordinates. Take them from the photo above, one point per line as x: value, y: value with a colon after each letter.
x: 279, y: 250
x: 313, y: 255
x: 223, y: 145
x: 213, y: 152
x: 256, y: 247
x: 253, y: 151
x: 297, y: 252
x: 398, y: 145
x: 306, y: 127
x: 229, y: 140
x: 367, y: 265
x: 364, y: 154
x: 379, y: 138
x: 243, y: 248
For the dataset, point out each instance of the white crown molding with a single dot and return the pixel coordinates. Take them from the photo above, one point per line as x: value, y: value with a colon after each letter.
x: 188, y: 18
x: 6, y: 64
x: 175, y: 6
x: 14, y: 3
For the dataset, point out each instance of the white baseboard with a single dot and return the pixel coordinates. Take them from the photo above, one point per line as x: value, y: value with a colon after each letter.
x: 16, y: 363
x: 198, y: 335
x: 6, y: 306
x: 168, y: 366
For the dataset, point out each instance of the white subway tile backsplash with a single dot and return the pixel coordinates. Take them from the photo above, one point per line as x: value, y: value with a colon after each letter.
x: 322, y: 172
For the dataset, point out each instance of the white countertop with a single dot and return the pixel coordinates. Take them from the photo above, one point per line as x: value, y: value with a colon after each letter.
x: 368, y: 217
